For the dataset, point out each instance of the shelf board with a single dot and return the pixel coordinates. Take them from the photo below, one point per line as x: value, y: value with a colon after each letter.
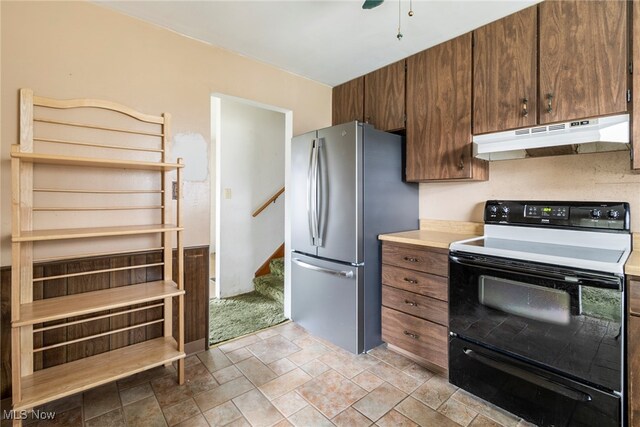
x: 80, y: 233
x: 74, y: 377
x: 56, y: 308
x: 52, y: 159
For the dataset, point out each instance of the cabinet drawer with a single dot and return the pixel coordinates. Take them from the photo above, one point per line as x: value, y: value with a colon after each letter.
x: 420, y: 337
x: 414, y: 281
x: 416, y: 305
x: 416, y: 259
x: 634, y: 297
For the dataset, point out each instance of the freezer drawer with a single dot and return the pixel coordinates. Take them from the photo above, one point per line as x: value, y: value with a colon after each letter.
x: 327, y: 300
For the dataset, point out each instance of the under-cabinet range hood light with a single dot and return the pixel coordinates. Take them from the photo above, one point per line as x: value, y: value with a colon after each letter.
x: 577, y: 137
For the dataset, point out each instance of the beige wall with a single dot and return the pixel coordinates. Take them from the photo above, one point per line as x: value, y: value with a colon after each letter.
x: 78, y: 49
x: 604, y: 176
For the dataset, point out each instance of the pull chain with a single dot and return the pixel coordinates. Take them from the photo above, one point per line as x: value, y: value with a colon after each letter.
x: 399, y: 36
x: 410, y: 7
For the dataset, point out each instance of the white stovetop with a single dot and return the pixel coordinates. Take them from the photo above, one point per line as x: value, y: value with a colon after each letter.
x: 589, y: 250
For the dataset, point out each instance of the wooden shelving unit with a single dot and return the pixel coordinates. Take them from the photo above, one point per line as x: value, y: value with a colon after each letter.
x: 83, y: 233
x: 32, y: 387
x: 63, y: 380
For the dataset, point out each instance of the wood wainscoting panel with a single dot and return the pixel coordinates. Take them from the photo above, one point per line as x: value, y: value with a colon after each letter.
x: 196, y: 307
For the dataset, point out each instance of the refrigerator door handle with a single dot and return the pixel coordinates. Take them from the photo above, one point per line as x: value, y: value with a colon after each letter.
x: 346, y: 274
x: 312, y: 194
x: 319, y: 190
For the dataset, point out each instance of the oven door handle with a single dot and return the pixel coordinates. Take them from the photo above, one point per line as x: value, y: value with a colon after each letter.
x: 577, y: 278
x: 531, y: 377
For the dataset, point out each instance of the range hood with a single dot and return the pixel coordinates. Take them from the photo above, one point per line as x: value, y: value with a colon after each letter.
x: 581, y: 136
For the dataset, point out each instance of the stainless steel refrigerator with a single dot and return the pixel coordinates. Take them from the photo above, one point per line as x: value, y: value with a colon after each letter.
x: 346, y: 188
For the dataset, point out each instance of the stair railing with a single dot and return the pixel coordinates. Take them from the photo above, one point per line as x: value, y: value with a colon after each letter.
x: 266, y: 204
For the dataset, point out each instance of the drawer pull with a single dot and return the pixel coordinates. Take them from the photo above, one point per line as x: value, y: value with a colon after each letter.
x: 412, y: 281
x: 411, y: 259
x: 412, y: 335
x: 411, y: 303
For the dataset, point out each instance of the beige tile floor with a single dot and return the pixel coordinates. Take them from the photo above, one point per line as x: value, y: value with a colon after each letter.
x: 282, y: 376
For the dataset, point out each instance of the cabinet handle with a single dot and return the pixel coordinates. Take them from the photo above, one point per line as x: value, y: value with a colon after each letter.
x: 525, y: 107
x: 412, y: 335
x: 549, y: 99
x: 461, y: 164
x: 412, y: 281
x: 411, y: 259
x: 411, y: 303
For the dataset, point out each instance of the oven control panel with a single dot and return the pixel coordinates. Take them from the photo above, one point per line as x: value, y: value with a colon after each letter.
x: 606, y: 216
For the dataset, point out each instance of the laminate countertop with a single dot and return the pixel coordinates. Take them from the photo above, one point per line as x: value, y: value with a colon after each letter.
x: 632, y: 266
x: 440, y: 234
x: 436, y: 234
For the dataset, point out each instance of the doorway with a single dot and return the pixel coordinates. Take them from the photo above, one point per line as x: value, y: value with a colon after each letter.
x: 247, y: 284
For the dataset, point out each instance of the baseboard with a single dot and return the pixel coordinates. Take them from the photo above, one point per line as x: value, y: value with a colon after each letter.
x: 419, y: 360
x: 195, y: 346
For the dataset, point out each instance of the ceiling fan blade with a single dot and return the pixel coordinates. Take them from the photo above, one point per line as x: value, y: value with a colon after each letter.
x: 370, y: 4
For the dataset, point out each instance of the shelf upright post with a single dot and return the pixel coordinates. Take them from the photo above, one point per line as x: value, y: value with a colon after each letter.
x: 167, y: 241
x: 15, y: 278
x: 26, y: 224
x: 180, y: 256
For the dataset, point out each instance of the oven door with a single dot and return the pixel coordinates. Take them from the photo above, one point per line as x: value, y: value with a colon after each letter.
x: 564, y: 320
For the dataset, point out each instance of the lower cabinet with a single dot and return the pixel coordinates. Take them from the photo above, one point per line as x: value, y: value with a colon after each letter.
x: 415, y: 311
x: 633, y: 352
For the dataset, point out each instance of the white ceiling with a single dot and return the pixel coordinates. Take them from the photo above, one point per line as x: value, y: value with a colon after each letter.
x: 326, y: 41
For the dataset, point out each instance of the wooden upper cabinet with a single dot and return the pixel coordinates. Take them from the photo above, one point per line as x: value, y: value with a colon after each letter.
x: 504, y: 74
x: 348, y: 102
x: 384, y: 98
x: 583, y: 59
x: 439, y: 114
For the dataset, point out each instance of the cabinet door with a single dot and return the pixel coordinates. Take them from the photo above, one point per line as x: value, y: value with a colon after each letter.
x: 439, y: 114
x: 504, y: 73
x: 384, y: 97
x: 348, y: 102
x: 583, y: 59
x: 634, y: 370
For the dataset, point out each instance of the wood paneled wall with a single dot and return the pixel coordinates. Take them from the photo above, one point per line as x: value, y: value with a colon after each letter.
x: 196, y: 320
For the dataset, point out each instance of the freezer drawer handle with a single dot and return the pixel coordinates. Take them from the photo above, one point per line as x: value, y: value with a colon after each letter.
x: 411, y: 259
x: 347, y: 274
x: 411, y: 303
x: 412, y: 281
x: 412, y: 335
x: 531, y: 377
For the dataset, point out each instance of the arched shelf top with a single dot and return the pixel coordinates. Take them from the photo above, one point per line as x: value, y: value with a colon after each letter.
x: 96, y: 103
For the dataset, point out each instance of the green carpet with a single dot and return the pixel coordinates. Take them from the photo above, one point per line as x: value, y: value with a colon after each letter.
x: 243, y: 314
